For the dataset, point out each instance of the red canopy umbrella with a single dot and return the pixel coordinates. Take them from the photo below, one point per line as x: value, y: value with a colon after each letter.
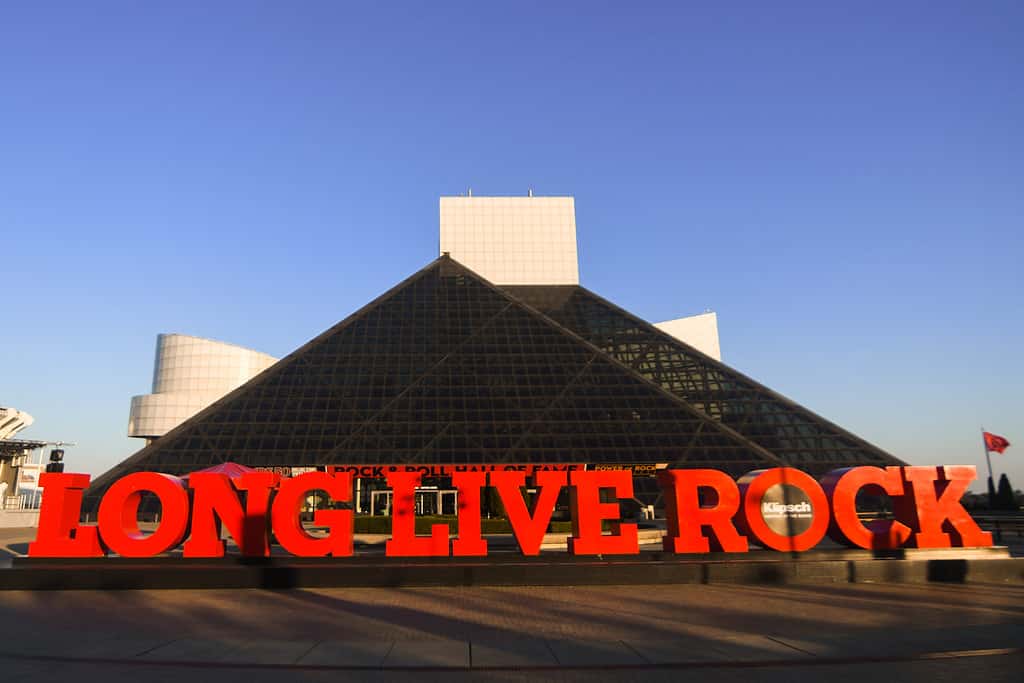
x: 232, y: 469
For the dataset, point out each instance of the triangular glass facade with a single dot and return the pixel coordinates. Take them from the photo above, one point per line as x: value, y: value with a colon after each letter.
x: 447, y: 368
x: 791, y: 432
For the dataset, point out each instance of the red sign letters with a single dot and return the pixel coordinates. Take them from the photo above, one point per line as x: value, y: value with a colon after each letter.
x: 781, y: 509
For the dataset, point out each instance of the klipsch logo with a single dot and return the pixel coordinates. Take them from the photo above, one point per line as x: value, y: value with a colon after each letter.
x: 787, y: 509
x: 773, y: 509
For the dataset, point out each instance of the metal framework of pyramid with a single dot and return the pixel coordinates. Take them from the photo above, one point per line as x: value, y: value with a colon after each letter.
x: 448, y: 368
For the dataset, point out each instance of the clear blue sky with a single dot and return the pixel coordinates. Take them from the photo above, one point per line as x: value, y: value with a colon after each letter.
x: 843, y: 184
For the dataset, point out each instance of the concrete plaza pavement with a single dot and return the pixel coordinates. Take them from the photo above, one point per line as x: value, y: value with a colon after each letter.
x: 842, y: 632
x: 729, y: 633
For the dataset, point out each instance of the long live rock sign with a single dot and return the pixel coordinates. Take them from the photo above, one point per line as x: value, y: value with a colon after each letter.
x: 780, y: 508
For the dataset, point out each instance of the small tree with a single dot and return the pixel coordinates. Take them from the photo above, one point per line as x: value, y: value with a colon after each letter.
x: 1004, y: 496
x: 492, y: 504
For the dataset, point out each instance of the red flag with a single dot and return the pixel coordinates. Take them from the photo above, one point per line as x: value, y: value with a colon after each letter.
x: 994, y: 442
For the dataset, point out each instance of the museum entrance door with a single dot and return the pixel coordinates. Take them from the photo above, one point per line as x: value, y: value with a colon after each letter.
x: 380, y: 503
x: 433, y: 501
x: 429, y: 501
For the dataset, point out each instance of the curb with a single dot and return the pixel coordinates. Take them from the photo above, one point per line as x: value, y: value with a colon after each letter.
x: 282, y: 573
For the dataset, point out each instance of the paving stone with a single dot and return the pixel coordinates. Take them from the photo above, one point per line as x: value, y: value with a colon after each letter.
x: 30, y: 641
x: 593, y: 652
x: 725, y: 650
x: 512, y: 652
x: 17, y: 643
x: 846, y: 645
x: 24, y: 670
x: 909, y: 642
x: 981, y: 636
x: 90, y: 644
x: 348, y: 653
x: 193, y: 650
x: 753, y: 649
x: 414, y: 653
x: 269, y: 651
x: 674, y: 651
x: 112, y: 647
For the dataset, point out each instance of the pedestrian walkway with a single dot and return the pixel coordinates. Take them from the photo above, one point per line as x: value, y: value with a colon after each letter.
x: 569, y: 633
x: 517, y: 654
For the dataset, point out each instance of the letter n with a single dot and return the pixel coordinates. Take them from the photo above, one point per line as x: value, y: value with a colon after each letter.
x: 216, y: 501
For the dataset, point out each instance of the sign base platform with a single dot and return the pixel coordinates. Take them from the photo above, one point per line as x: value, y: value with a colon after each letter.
x: 956, y: 565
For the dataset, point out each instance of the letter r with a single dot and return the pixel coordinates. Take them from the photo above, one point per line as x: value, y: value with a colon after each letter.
x: 687, y: 520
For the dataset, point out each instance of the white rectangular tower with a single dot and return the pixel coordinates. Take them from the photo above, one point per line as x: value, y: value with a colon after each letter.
x: 513, y: 240
x: 699, y: 331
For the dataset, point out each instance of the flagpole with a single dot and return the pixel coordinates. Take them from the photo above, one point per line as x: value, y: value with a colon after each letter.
x: 991, y: 480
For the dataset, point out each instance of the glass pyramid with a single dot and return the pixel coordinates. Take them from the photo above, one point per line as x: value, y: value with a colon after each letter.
x: 448, y: 368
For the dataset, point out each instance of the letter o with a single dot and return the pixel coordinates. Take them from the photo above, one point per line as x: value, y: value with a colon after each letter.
x: 753, y: 487
x: 118, y: 519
